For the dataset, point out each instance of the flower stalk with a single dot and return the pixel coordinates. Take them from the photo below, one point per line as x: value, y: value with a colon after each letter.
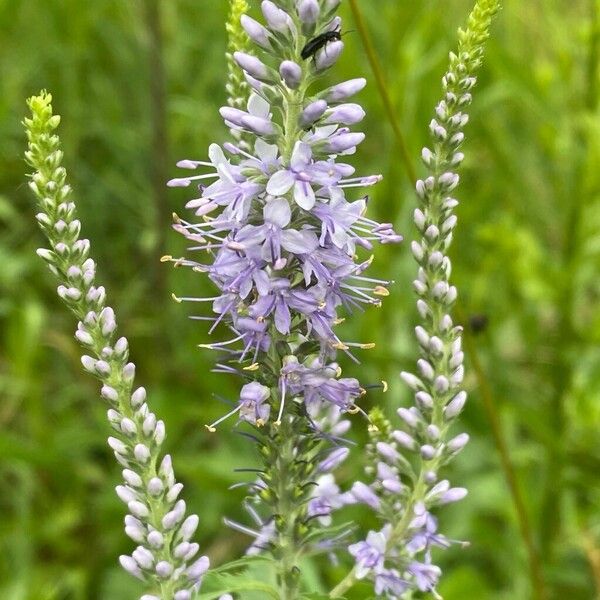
x: 283, y: 245
x: 157, y: 522
x: 398, y: 559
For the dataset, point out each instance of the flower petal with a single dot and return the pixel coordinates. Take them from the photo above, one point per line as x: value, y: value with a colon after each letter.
x: 299, y: 242
x: 304, y: 195
x: 280, y: 183
x: 301, y: 156
x: 278, y: 212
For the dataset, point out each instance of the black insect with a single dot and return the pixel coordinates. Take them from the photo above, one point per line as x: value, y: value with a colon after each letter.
x: 314, y: 45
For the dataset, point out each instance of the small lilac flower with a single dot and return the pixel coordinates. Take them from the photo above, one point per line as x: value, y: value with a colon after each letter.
x: 370, y: 554
x: 325, y: 499
x: 426, y: 575
x: 254, y: 407
x: 389, y: 582
x: 297, y: 176
x: 344, y: 90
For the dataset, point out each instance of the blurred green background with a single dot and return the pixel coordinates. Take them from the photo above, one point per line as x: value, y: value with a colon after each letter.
x: 526, y: 262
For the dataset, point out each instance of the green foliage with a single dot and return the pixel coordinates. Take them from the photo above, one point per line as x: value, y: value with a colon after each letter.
x: 526, y: 255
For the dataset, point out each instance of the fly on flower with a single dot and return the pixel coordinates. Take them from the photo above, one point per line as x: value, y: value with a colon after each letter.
x: 320, y: 41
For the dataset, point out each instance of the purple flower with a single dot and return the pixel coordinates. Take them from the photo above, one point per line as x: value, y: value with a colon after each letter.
x: 325, y: 499
x: 389, y: 582
x: 425, y: 575
x: 254, y: 407
x: 370, y: 554
x: 298, y: 176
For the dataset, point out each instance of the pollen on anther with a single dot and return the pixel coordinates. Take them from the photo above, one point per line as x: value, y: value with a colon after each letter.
x: 385, y: 385
x: 166, y: 258
x: 176, y: 298
x: 211, y: 428
x: 252, y: 367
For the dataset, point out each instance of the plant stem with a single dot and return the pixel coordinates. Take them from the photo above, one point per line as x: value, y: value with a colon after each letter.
x: 383, y: 91
x: 287, y: 514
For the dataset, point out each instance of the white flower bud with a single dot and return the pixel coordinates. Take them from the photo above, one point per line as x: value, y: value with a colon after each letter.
x: 138, y: 397
x: 138, y: 509
x: 141, y: 453
x: 156, y: 539
x: 132, y: 478
x: 155, y: 486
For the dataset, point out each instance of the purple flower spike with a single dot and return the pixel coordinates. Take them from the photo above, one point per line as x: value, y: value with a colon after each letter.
x: 282, y: 236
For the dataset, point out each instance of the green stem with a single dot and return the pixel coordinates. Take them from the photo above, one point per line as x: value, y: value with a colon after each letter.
x: 287, y: 512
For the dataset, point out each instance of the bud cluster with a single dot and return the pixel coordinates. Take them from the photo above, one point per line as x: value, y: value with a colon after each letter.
x: 166, y: 557
x: 408, y: 458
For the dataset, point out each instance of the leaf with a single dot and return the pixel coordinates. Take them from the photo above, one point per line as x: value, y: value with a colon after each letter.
x: 257, y: 576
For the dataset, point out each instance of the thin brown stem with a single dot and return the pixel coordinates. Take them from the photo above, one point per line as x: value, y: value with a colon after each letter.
x: 383, y: 91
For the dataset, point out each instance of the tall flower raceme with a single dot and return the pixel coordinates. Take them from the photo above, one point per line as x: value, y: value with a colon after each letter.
x: 407, y: 458
x: 166, y: 557
x: 285, y: 248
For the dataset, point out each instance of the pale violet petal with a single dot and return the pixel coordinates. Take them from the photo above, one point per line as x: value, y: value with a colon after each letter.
x: 258, y: 106
x: 304, y: 195
x: 278, y: 212
x: 301, y: 156
x: 280, y: 183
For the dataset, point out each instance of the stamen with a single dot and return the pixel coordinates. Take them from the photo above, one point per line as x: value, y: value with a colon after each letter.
x: 213, y: 426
